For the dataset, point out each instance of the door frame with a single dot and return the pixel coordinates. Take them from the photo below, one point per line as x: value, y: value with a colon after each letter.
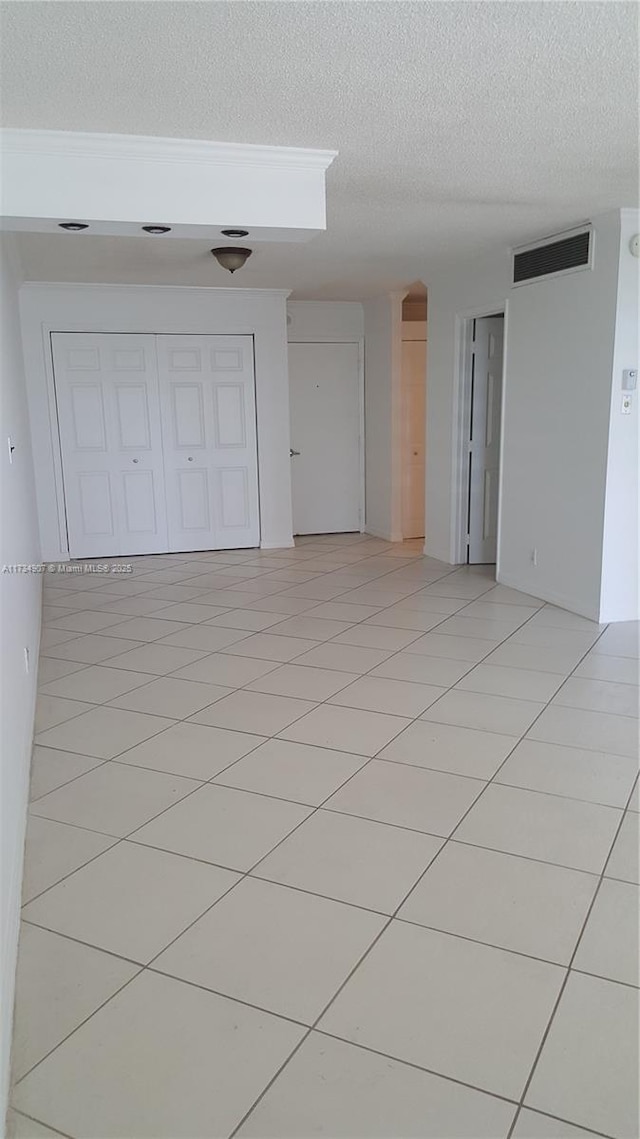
x: 52, y: 387
x: 361, y: 420
x: 461, y: 427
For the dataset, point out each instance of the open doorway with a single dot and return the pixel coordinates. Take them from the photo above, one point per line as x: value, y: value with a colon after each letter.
x: 483, y: 405
x: 413, y: 389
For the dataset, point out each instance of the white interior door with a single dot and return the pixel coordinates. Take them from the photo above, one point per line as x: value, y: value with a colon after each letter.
x: 484, y: 438
x: 207, y: 395
x: 109, y: 420
x: 324, y: 395
x: 414, y: 364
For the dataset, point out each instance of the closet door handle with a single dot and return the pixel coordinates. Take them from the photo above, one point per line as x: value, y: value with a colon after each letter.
x: 190, y: 459
x: 135, y: 460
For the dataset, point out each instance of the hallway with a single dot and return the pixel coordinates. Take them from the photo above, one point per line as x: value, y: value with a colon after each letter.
x: 329, y: 841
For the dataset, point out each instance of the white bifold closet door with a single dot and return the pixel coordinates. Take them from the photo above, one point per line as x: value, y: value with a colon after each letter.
x: 111, y: 441
x: 207, y: 400
x: 158, y: 442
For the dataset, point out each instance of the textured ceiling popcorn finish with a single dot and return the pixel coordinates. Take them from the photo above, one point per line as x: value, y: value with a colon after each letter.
x: 460, y: 126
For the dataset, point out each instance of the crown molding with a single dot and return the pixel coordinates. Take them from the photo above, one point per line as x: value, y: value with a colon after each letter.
x: 94, y: 286
x: 147, y: 148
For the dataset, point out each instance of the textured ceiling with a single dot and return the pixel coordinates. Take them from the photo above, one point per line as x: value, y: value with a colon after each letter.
x: 460, y: 125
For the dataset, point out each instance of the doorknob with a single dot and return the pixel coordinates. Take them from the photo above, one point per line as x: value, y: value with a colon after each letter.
x: 292, y: 452
x: 190, y: 459
x: 135, y: 460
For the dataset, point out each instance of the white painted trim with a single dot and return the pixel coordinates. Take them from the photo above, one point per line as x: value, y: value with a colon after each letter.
x: 460, y: 421
x: 284, y: 545
x: 110, y: 287
x: 147, y: 148
x: 384, y: 534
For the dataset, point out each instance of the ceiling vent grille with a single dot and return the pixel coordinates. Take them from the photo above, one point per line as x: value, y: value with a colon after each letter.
x: 551, y: 258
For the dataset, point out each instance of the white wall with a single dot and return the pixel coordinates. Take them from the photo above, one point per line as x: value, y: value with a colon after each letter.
x: 559, y: 362
x: 619, y: 600
x: 383, y: 445
x: 324, y: 321
x: 115, y: 308
x: 469, y: 288
x: 20, y: 601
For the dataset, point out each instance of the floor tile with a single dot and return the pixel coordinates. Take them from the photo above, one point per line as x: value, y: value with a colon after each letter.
x: 290, y: 604
x: 505, y: 596
x: 147, y: 629
x: 51, y: 768
x: 351, y: 859
x: 471, y: 649
x: 588, y: 1070
x: 171, y: 697
x: 621, y: 639
x: 422, y: 669
x: 485, y: 628
x: 51, y: 669
x: 344, y: 658
x: 59, y: 983
x: 53, y: 850
x: 533, y: 1125
x: 550, y: 615
x: 377, y: 637
x: 269, y: 646
x: 397, y: 698
x: 597, y: 731
x: 230, y: 671
x: 339, y: 611
x: 91, y: 649
x: 19, y: 1126
x: 348, y: 1092
x: 188, y: 611
x: 487, y: 713
x: 209, y: 638
x: 221, y: 825
x: 155, y: 659
x: 303, y: 682
x: 625, y: 855
x: 97, y: 684
x: 311, y: 628
x: 51, y: 710
x: 599, y: 696
x: 247, y: 619
x: 141, y: 606
x: 292, y: 771
x: 207, y: 1059
x: 195, y: 751
x: 428, y: 603
x: 545, y: 827
x: 618, y: 670
x: 514, y: 903
x: 280, y: 949
x: 609, y: 944
x: 537, y: 658
x: 346, y: 729
x: 254, y: 712
x: 465, y: 1010
x: 448, y: 747
x: 103, y: 732
x: 414, y: 620
x: 555, y: 637
x: 407, y: 797
x: 570, y: 771
x: 51, y: 637
x: 113, y: 798
x: 494, y: 610
x: 131, y: 900
x: 86, y: 621
x: 518, y: 683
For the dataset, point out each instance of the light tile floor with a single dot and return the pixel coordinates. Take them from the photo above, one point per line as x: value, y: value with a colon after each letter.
x: 332, y: 840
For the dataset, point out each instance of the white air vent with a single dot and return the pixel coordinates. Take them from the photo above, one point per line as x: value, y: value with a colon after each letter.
x: 553, y: 256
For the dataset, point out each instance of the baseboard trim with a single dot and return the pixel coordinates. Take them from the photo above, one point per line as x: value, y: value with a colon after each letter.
x: 581, y: 609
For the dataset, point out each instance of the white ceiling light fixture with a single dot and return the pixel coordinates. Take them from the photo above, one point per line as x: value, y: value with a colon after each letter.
x: 231, y: 257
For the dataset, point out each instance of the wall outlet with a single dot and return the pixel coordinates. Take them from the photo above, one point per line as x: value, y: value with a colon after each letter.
x: 26, y: 661
x: 534, y: 556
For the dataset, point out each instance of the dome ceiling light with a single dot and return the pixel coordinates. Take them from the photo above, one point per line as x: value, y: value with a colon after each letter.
x: 234, y: 232
x: 157, y: 228
x: 230, y: 257
x: 73, y: 226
